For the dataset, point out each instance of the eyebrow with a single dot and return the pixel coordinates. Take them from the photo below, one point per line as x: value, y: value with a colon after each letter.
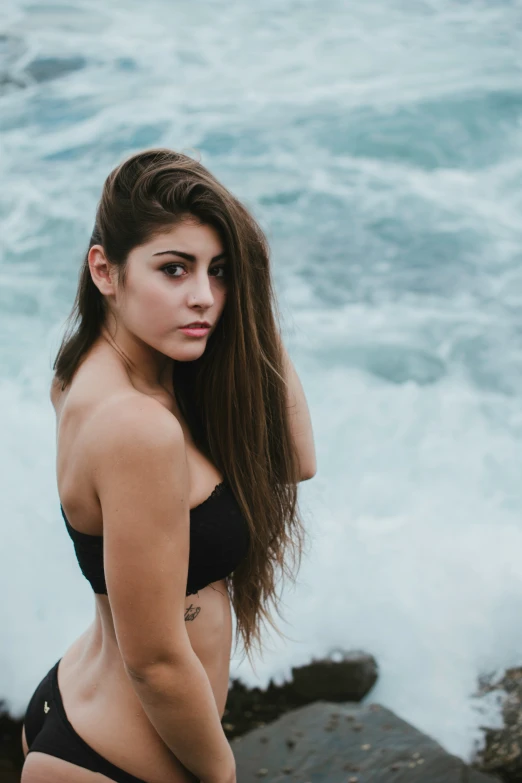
x: 187, y: 256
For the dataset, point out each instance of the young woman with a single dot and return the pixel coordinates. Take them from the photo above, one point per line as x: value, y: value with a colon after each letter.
x: 182, y: 433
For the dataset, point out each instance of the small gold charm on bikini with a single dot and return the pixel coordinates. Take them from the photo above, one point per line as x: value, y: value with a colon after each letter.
x: 46, y: 707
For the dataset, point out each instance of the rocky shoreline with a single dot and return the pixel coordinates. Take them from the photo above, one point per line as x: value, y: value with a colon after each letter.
x: 313, y: 729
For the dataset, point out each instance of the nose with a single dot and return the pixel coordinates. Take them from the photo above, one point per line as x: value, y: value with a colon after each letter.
x: 200, y: 293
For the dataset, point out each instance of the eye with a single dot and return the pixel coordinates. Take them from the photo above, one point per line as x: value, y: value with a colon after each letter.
x: 166, y: 270
x: 171, y: 266
x: 222, y: 268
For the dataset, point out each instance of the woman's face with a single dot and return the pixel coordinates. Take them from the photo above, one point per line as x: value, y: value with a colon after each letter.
x: 176, y: 278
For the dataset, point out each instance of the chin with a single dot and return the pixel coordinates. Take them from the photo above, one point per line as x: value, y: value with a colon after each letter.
x: 190, y: 353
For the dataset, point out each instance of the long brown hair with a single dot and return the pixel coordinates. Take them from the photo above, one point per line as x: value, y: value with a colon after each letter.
x: 234, y: 396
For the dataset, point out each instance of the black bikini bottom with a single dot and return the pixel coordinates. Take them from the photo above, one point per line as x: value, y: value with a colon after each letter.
x: 47, y: 730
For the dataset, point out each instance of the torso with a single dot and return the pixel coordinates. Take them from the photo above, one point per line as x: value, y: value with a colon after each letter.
x: 98, y: 696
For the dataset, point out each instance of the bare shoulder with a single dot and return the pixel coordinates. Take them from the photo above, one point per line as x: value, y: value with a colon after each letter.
x: 130, y: 422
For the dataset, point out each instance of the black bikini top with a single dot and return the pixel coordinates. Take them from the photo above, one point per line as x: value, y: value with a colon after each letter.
x: 219, y: 540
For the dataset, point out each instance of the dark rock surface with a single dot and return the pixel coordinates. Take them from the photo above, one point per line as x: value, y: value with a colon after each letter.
x: 11, y: 754
x: 330, y: 742
x: 502, y: 753
x: 347, y: 677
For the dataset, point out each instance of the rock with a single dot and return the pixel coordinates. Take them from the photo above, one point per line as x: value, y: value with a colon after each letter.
x: 502, y: 753
x: 317, y: 742
x: 348, y: 679
x: 341, y: 677
x: 11, y: 753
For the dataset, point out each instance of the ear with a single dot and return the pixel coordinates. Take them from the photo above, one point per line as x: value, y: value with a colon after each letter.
x: 102, y: 271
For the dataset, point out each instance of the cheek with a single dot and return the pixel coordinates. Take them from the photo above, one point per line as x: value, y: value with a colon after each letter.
x: 158, y: 295
x: 152, y: 303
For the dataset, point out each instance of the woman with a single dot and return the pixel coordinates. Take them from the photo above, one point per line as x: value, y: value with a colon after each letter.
x: 179, y: 450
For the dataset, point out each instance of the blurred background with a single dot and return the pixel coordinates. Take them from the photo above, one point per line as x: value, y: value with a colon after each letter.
x: 379, y: 144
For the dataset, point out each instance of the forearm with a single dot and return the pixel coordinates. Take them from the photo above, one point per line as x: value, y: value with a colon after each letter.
x: 299, y: 419
x: 180, y: 704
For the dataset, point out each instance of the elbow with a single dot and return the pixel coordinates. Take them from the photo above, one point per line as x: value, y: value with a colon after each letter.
x: 156, y: 665
x: 154, y: 678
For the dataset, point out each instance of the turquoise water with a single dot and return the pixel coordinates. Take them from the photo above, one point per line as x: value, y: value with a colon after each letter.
x: 379, y: 144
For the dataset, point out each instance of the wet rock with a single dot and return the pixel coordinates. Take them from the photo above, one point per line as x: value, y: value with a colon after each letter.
x: 340, y: 677
x: 502, y: 753
x: 11, y: 753
x: 298, y: 741
x: 347, y: 679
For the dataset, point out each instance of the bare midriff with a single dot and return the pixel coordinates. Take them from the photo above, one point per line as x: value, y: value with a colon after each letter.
x: 101, y: 703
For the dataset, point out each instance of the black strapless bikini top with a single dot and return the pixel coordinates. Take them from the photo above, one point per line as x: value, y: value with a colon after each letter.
x: 219, y: 540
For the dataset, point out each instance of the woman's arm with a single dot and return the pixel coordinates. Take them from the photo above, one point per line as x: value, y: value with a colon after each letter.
x: 141, y: 478
x: 300, y: 421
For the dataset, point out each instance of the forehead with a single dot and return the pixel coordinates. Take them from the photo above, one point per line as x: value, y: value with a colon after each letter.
x: 200, y: 239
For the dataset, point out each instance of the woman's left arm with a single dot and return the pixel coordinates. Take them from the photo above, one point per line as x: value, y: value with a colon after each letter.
x: 300, y: 421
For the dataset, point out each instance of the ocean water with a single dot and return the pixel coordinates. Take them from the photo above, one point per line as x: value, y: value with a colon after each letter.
x: 379, y: 143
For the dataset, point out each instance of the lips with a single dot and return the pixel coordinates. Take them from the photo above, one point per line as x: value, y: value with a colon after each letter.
x: 197, y: 325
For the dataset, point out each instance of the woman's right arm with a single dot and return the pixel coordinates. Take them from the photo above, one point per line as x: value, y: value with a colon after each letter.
x: 141, y: 477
